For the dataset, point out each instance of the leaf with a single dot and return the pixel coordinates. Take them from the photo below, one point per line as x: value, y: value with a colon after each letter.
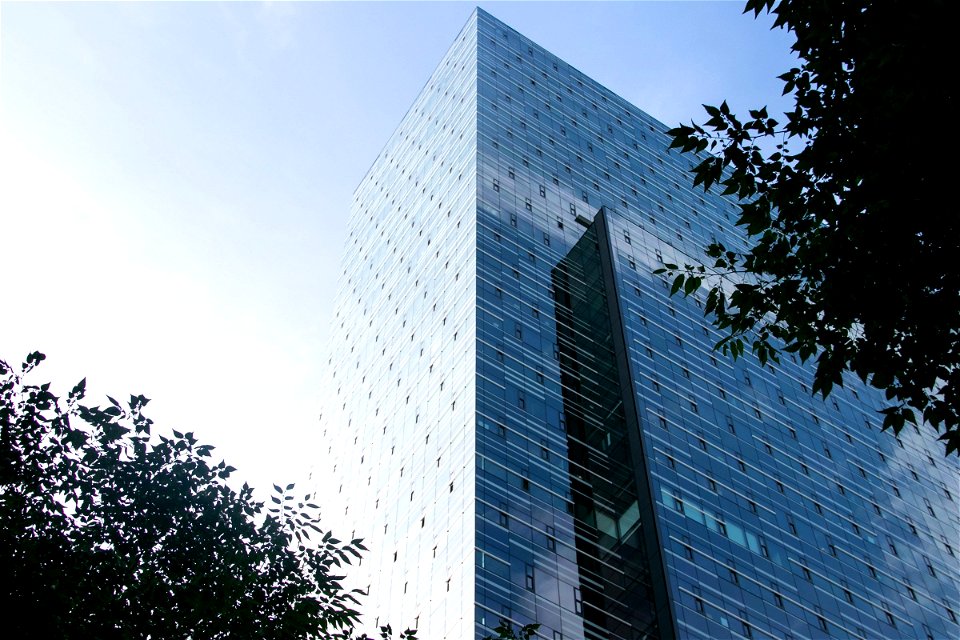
x: 76, y: 438
x: 711, y: 303
x: 677, y: 283
x: 691, y: 285
x: 33, y: 359
x: 78, y: 390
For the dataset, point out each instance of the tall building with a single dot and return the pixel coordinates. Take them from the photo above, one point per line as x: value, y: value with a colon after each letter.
x: 523, y: 423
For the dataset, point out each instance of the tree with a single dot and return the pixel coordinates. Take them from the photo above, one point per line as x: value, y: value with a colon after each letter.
x: 106, y: 532
x: 505, y: 631
x: 848, y: 207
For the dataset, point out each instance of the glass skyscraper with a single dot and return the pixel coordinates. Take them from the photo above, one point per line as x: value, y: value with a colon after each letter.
x: 523, y: 424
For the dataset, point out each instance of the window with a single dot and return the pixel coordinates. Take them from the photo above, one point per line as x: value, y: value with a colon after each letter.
x: 677, y: 503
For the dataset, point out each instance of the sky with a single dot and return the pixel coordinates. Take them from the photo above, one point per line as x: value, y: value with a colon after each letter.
x: 175, y: 180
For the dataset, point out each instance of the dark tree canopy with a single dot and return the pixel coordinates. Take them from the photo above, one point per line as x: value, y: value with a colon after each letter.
x: 106, y: 532
x: 849, y: 206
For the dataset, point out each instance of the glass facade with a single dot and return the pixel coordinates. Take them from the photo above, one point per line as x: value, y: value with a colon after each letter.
x: 524, y: 424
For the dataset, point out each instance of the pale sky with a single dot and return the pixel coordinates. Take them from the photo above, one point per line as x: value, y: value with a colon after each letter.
x: 175, y: 179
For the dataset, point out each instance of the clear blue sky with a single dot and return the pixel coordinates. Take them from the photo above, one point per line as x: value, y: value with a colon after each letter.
x: 175, y: 179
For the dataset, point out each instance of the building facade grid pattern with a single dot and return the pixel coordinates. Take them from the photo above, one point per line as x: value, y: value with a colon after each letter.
x: 474, y: 415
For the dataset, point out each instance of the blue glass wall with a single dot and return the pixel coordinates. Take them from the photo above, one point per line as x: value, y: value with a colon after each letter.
x: 779, y: 514
x: 397, y: 445
x: 501, y: 464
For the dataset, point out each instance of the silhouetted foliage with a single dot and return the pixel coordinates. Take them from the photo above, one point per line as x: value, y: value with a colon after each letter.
x: 106, y: 532
x: 849, y: 207
x: 505, y: 631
